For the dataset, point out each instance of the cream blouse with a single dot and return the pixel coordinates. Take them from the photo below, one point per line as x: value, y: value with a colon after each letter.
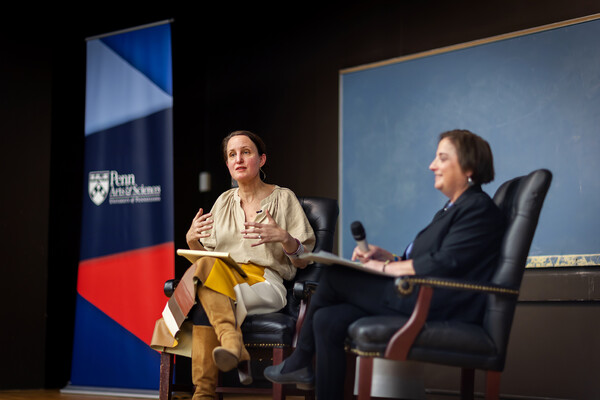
x: 229, y: 218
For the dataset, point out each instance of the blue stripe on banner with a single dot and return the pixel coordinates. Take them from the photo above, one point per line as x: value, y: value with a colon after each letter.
x: 116, y: 92
x: 108, y: 355
x: 128, y: 202
x: 145, y: 50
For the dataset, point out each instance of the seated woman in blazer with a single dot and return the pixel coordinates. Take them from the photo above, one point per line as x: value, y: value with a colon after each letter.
x: 463, y: 241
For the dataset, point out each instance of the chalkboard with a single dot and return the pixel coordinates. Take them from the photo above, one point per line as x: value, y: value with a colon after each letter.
x: 533, y: 95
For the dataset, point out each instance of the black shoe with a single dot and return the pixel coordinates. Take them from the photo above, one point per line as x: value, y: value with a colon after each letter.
x: 303, y: 378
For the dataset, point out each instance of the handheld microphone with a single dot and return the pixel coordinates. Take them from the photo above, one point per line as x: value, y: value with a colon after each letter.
x: 359, y: 235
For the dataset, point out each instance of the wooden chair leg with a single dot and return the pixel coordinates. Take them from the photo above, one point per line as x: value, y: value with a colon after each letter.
x: 492, y: 385
x: 350, y: 376
x: 166, y: 376
x: 467, y: 383
x: 365, y: 377
x: 277, y: 359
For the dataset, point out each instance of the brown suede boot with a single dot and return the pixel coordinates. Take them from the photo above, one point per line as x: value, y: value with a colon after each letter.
x: 204, y: 371
x: 220, y: 311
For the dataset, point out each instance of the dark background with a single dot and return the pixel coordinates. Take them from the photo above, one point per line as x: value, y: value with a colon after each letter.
x: 270, y: 69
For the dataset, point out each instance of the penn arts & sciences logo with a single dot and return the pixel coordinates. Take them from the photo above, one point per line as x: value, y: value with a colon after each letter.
x: 120, y: 189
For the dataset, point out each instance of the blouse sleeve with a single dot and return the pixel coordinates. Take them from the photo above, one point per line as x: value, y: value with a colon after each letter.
x: 219, y: 208
x: 297, y: 223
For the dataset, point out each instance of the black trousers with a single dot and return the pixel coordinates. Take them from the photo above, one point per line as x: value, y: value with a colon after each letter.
x: 343, y: 296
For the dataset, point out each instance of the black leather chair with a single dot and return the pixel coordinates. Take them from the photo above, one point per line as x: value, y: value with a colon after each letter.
x: 468, y: 346
x: 272, y: 336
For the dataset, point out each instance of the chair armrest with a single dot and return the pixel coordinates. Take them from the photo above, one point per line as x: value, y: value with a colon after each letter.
x: 400, y: 344
x: 402, y: 341
x: 405, y: 285
x: 170, y: 286
x: 303, y: 290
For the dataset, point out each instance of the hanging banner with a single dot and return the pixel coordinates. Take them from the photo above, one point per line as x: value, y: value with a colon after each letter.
x: 127, y: 249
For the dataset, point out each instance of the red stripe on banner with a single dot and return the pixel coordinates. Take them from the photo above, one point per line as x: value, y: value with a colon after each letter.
x: 128, y: 287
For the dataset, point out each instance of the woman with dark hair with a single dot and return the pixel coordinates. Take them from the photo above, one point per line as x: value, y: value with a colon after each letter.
x: 463, y: 240
x: 264, y: 229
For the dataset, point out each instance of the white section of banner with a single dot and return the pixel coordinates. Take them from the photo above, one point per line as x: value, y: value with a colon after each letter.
x: 116, y: 91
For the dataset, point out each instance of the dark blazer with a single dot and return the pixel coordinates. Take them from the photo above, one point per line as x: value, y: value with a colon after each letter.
x: 462, y: 241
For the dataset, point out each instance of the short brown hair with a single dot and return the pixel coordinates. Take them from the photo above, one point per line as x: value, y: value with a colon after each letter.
x: 474, y: 154
x: 258, y: 142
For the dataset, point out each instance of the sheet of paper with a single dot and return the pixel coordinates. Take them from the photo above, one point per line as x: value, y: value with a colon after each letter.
x: 330, y: 258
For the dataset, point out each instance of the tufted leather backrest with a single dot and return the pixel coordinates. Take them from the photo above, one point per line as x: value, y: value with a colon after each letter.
x: 322, y: 214
x: 521, y: 200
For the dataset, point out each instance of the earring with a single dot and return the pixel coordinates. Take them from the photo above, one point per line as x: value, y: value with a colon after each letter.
x: 264, y: 177
x: 470, y: 181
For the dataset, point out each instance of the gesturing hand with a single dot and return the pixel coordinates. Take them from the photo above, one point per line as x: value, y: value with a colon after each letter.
x: 267, y: 232
x: 200, y: 225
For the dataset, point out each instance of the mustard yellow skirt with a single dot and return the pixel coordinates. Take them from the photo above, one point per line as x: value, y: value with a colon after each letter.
x: 262, y: 291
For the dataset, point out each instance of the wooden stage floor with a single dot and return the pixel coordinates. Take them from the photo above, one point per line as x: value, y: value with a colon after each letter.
x: 49, y: 394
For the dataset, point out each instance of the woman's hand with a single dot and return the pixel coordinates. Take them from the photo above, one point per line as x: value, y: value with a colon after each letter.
x: 374, y: 253
x: 381, y: 260
x: 270, y: 232
x: 376, y: 265
x: 392, y: 268
x: 200, y: 225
